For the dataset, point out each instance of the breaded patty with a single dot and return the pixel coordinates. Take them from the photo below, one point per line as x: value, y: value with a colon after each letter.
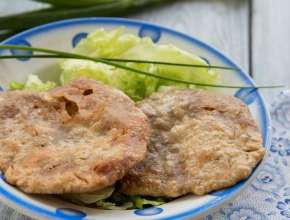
x: 200, y: 142
x: 78, y: 138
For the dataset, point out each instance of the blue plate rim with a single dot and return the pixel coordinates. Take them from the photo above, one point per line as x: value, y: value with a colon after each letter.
x: 197, y: 211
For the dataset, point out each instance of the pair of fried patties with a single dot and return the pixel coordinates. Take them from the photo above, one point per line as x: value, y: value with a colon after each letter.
x: 85, y: 136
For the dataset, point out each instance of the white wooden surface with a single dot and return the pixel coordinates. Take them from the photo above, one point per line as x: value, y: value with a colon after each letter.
x: 221, y: 23
x: 271, y: 43
x: 225, y: 24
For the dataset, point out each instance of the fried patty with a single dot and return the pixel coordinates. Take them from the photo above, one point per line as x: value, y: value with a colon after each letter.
x: 200, y: 142
x: 78, y: 138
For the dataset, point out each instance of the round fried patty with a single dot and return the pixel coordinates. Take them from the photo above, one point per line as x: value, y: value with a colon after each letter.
x: 78, y: 138
x: 200, y: 142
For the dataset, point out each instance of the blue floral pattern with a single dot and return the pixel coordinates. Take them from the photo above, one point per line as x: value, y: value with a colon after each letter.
x: 284, y: 207
x: 247, y: 95
x: 268, y: 196
x: 69, y: 213
x: 281, y: 146
x: 245, y: 214
x: 78, y: 37
x: 21, y: 42
x: 270, y: 179
x: 150, y: 31
x: 281, y: 110
x: 148, y: 211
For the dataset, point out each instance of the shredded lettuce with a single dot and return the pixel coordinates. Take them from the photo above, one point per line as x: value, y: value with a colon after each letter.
x: 113, y: 206
x: 117, y: 44
x: 120, y: 201
x: 141, y: 202
x: 114, y: 200
x: 90, y: 198
x: 13, y: 85
x: 33, y: 83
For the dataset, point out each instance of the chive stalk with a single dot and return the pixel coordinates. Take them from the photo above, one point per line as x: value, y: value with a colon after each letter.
x: 63, y: 54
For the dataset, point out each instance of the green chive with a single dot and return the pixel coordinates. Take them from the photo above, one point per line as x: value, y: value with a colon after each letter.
x: 123, y: 60
x: 62, y: 54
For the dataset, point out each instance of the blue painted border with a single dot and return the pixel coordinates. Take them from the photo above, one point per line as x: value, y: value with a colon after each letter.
x: 24, y: 204
x: 265, y: 118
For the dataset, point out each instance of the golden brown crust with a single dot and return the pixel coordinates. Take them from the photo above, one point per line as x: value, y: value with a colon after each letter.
x: 78, y: 138
x: 200, y: 142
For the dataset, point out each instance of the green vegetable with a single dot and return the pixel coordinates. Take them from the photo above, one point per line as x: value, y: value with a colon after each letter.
x: 112, y: 206
x: 107, y: 199
x: 74, y: 3
x: 110, y: 61
x: 90, y: 198
x: 116, y: 44
x: 141, y: 202
x: 33, y: 83
x: 121, y: 201
x: 16, y: 85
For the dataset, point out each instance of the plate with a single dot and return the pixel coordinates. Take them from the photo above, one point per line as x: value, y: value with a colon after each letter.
x: 64, y: 35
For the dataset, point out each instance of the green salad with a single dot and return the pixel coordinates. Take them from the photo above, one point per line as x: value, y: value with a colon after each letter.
x: 117, y: 44
x: 110, y: 198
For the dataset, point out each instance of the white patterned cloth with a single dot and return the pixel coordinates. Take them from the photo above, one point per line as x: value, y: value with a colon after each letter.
x: 268, y: 196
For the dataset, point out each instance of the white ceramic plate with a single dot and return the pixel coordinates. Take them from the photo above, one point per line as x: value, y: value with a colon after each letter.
x: 64, y: 35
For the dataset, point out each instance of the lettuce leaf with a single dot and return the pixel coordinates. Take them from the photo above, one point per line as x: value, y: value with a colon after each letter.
x: 119, y: 201
x: 141, y: 202
x: 13, y: 85
x: 113, y: 206
x: 89, y: 198
x: 33, y: 83
x: 111, y: 199
x: 117, y: 44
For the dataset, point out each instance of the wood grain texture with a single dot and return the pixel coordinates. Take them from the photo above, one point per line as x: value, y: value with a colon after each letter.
x: 270, y: 44
x: 8, y: 7
x: 221, y: 23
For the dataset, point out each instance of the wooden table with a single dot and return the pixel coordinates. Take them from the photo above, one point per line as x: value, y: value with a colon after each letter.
x: 254, y: 33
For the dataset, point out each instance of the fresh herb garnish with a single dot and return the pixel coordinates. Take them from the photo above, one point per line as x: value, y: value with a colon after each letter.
x: 123, y: 61
x: 115, y: 63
